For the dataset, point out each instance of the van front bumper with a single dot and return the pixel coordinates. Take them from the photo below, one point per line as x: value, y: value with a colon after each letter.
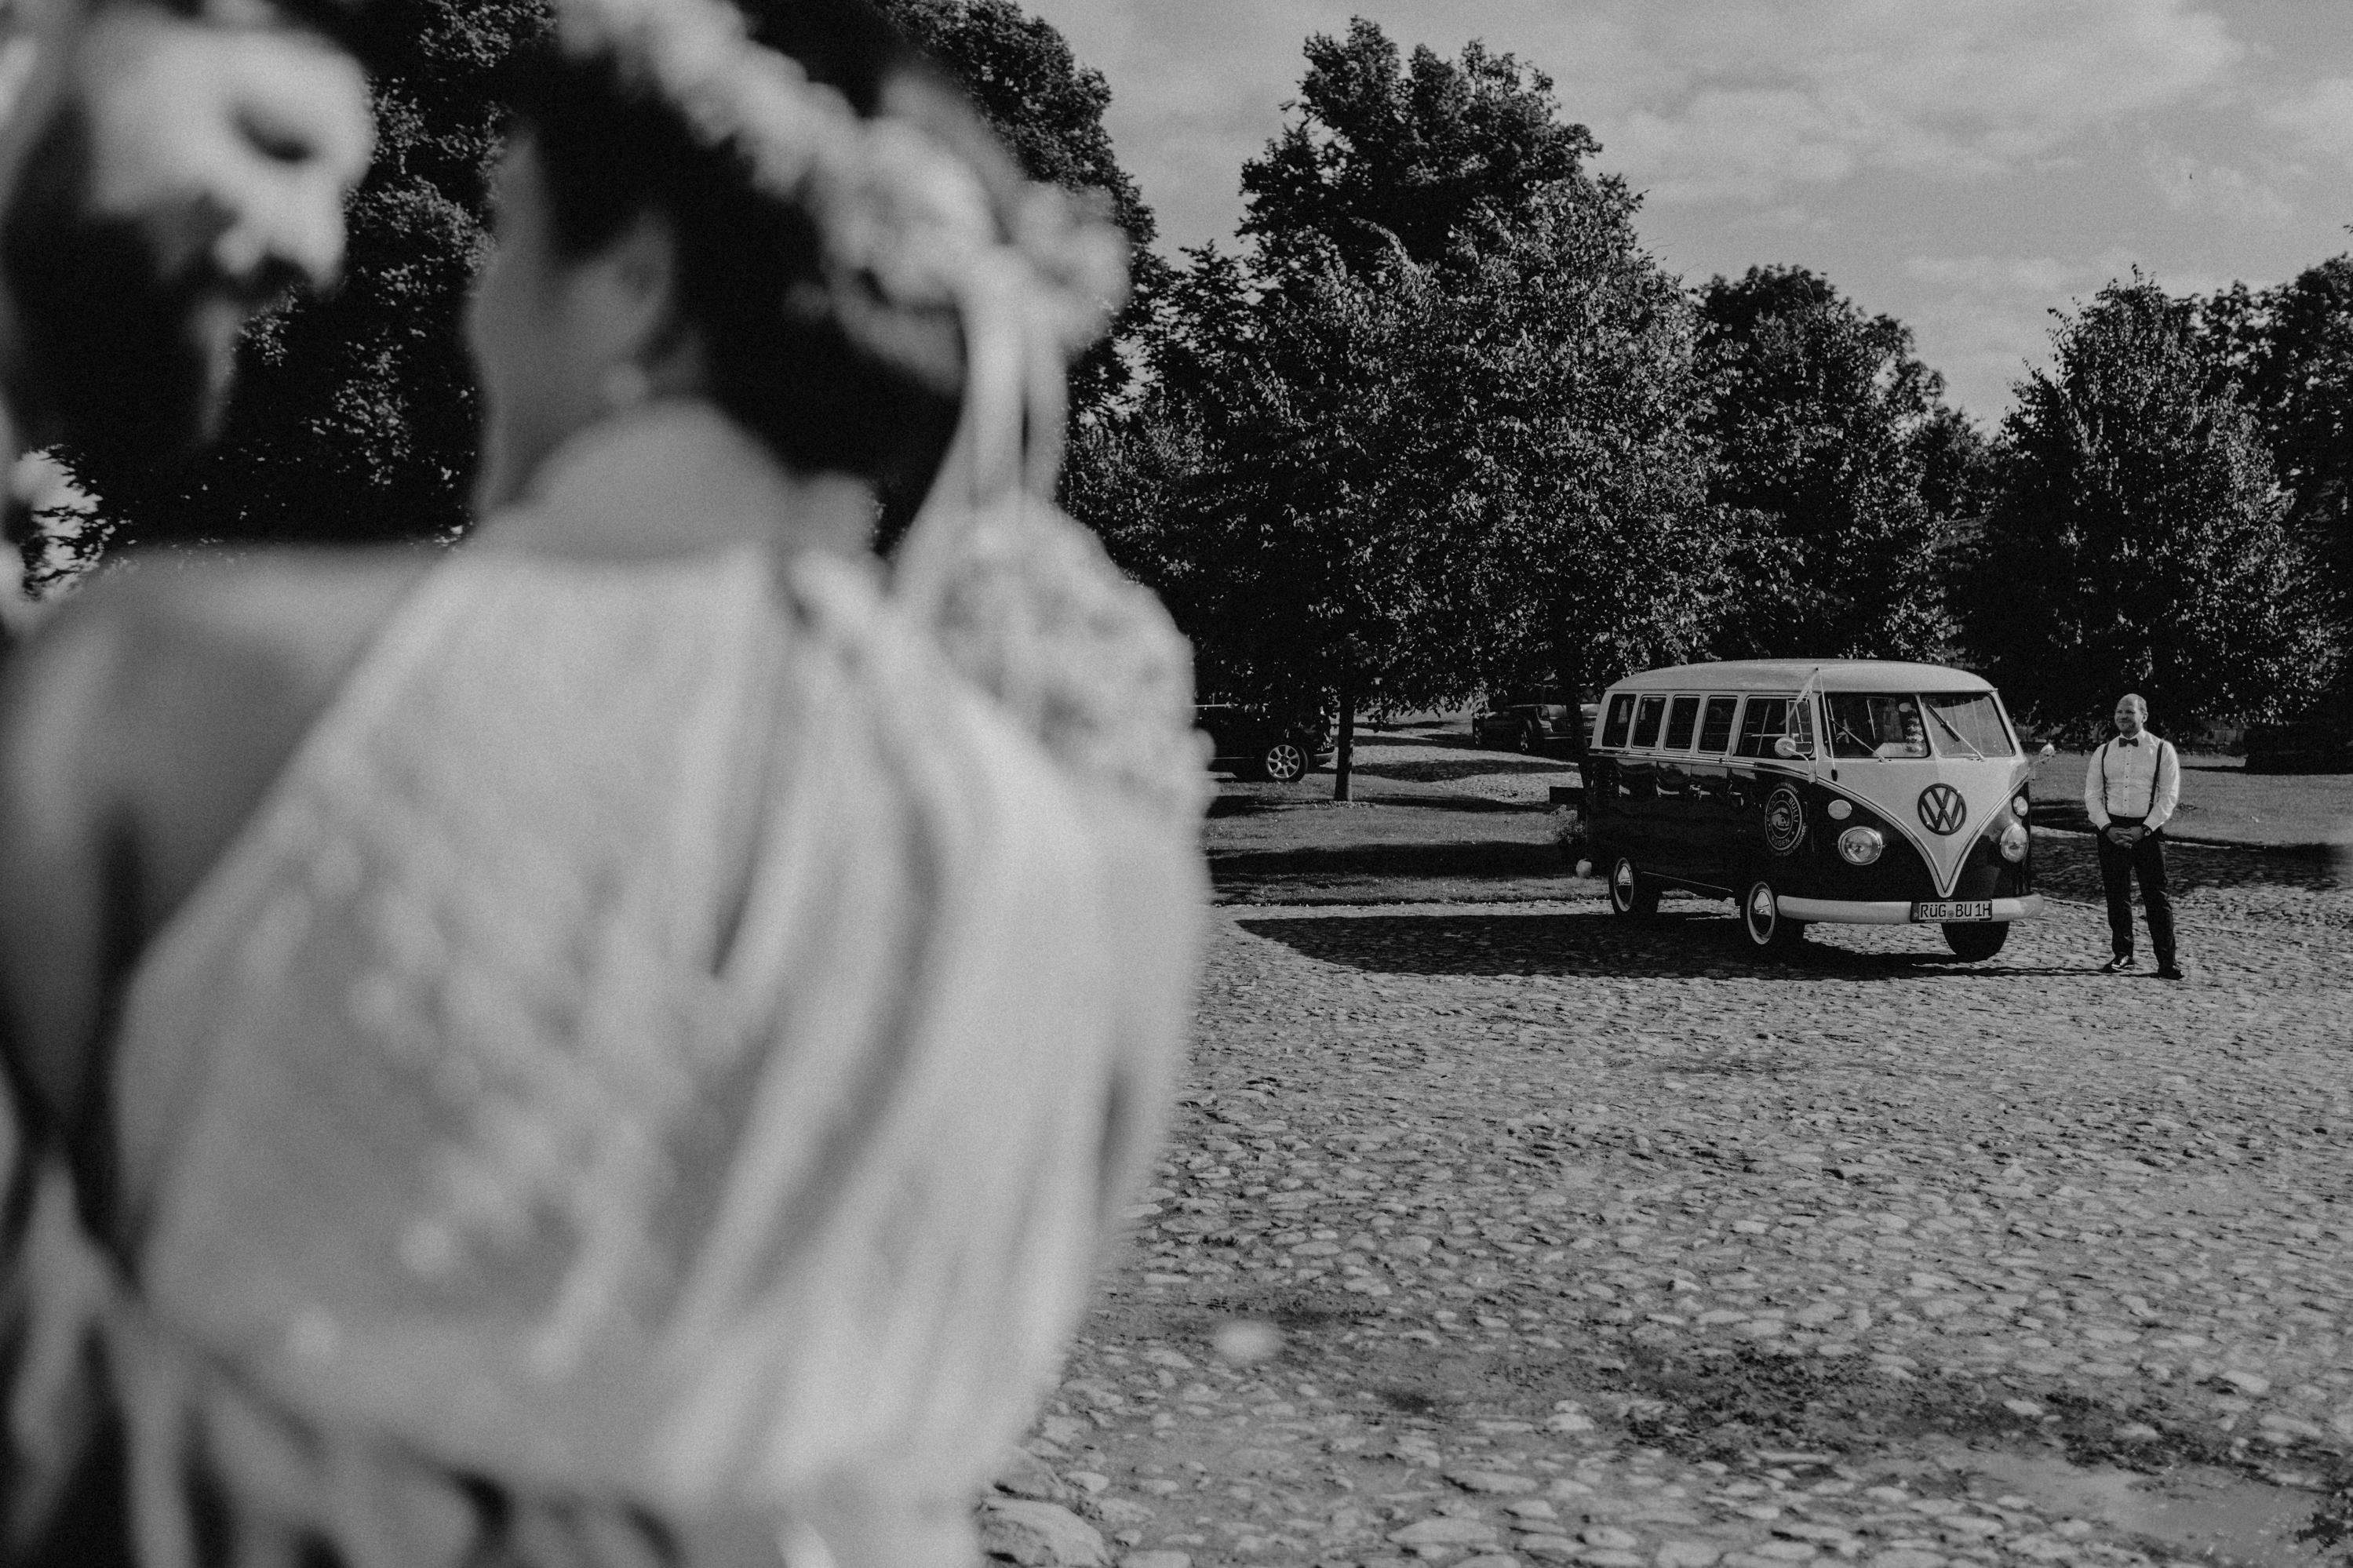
x: 1891, y: 911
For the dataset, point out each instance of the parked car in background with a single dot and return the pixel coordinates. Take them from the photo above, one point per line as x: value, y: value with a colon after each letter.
x: 1540, y: 723
x: 1255, y: 744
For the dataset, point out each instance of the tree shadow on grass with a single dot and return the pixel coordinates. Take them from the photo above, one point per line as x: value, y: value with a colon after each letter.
x: 1228, y: 804
x: 1448, y: 770
x: 1674, y: 946
x: 1463, y: 803
x: 1266, y: 800
x: 1493, y: 859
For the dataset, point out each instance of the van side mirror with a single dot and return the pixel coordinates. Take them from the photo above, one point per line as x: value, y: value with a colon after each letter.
x: 2040, y: 757
x: 2048, y: 749
x: 1785, y: 748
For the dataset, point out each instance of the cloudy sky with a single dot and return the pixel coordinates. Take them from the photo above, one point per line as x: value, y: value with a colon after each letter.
x: 1964, y: 164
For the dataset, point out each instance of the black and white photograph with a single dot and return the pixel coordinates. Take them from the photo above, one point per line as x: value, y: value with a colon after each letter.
x: 1175, y: 784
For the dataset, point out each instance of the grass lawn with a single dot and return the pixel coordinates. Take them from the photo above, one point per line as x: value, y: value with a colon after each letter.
x: 2222, y: 802
x: 1435, y: 821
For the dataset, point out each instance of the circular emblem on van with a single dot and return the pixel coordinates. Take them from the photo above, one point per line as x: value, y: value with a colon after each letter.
x: 1942, y: 809
x: 1785, y: 820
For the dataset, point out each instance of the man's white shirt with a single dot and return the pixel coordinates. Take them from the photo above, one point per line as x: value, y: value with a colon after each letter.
x: 2133, y: 781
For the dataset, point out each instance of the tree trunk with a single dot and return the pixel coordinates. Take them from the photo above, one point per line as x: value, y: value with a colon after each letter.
x: 1340, y: 763
x: 1568, y: 666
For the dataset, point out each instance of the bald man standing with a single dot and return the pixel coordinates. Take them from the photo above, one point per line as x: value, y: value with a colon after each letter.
x: 2130, y: 790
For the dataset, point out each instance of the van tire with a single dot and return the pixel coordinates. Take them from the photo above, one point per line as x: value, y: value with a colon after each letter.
x: 1975, y: 940
x: 1631, y: 895
x: 1763, y: 923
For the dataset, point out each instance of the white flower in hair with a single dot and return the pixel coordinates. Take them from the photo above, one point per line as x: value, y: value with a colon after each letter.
x: 893, y: 205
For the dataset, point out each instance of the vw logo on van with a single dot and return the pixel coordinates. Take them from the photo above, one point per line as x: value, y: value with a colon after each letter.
x: 1785, y: 820
x: 1942, y: 809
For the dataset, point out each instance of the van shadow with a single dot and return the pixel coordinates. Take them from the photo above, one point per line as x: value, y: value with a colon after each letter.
x: 1674, y: 946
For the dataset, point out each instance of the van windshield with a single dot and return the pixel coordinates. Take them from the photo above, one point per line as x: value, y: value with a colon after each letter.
x: 1968, y: 722
x: 1900, y: 726
x: 1875, y: 724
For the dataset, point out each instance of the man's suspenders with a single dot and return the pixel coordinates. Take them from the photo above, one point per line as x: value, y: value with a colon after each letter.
x: 2156, y: 774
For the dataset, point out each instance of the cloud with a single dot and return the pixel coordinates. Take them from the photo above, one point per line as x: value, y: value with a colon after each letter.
x: 1696, y: 101
x: 2320, y: 117
x: 1811, y: 91
x: 2043, y: 277
x: 2188, y: 184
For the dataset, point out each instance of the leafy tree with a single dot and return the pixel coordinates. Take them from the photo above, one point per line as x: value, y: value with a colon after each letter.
x: 2139, y: 540
x: 1291, y: 569
x: 2287, y: 353
x: 1435, y: 431
x: 354, y: 414
x: 1399, y: 484
x: 1392, y: 153
x: 1842, y: 466
x: 1565, y: 401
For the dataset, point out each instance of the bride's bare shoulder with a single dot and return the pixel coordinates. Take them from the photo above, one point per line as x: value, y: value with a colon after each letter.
x: 139, y: 727
x: 175, y: 636
x: 161, y: 702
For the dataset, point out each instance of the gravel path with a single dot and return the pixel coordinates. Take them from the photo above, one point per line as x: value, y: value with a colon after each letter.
x: 1504, y: 1233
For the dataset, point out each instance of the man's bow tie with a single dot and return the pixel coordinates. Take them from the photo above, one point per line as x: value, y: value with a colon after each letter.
x: 2128, y: 743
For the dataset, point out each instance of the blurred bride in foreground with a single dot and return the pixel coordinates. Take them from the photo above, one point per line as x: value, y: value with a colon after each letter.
x: 623, y: 1044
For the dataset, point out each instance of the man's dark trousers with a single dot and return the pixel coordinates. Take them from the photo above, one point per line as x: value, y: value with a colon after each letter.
x: 2118, y: 866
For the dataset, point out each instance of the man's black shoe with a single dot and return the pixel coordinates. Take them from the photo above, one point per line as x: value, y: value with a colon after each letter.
x: 2119, y: 963
x: 2170, y: 972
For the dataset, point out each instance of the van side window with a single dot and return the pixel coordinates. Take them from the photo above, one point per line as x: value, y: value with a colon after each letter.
x: 1767, y: 720
x: 1646, y: 721
x: 1715, y: 730
x: 1682, y: 720
x: 1621, y: 718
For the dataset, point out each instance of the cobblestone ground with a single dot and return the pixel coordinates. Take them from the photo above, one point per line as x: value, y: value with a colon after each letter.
x: 1513, y: 1233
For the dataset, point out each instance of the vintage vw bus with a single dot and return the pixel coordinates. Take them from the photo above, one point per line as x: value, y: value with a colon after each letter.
x: 1850, y: 791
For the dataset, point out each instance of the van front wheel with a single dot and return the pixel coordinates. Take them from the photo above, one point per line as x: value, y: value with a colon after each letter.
x: 1631, y: 894
x: 1976, y: 939
x: 1767, y: 929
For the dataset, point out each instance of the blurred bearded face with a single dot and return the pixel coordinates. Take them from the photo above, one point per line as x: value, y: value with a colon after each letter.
x: 191, y: 172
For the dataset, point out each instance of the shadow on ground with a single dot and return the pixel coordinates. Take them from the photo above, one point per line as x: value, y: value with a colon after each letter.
x: 2067, y: 865
x: 1676, y: 944
x: 1243, y: 799
x: 1448, y: 770
x: 1500, y: 857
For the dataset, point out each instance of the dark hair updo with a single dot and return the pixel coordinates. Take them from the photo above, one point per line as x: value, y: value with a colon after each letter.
x: 831, y: 376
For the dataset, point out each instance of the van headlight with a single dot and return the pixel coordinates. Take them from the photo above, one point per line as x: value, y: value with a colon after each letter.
x: 2013, y: 842
x: 1860, y: 845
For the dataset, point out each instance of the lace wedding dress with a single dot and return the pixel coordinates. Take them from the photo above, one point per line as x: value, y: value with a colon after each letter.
x: 666, y: 1050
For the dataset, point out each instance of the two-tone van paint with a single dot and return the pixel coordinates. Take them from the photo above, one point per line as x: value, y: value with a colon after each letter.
x: 1845, y: 791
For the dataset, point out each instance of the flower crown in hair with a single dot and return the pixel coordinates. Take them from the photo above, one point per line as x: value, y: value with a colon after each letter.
x: 893, y: 205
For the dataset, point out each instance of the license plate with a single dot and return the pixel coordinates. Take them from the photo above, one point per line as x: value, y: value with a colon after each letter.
x: 1955, y: 910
